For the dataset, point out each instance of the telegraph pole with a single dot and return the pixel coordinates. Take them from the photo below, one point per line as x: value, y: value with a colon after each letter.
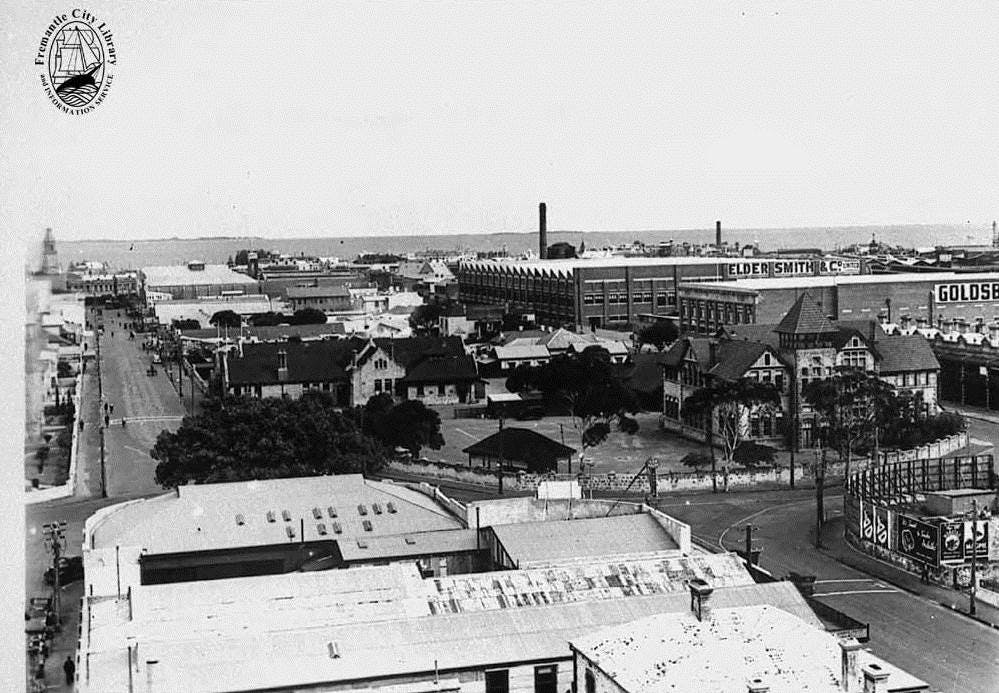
x: 972, y: 607
x: 55, y: 540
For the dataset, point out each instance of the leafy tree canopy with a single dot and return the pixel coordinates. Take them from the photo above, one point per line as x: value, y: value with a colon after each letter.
x: 226, y: 318
x: 425, y: 316
x: 660, y: 334
x: 269, y: 319
x: 186, y: 324
x: 247, y: 438
x: 409, y: 424
x: 308, y: 316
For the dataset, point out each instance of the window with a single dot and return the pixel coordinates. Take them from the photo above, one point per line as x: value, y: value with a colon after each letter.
x: 546, y: 679
x: 498, y: 681
x: 419, y: 391
x: 441, y: 390
x: 591, y: 682
x: 766, y: 359
x: 378, y: 386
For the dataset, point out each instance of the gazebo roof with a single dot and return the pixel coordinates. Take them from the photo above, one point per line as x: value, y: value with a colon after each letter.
x: 519, y: 445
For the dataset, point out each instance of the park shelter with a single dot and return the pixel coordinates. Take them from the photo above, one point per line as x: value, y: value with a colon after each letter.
x: 519, y: 448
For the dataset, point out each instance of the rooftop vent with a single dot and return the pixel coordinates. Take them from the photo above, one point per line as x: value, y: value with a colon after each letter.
x: 286, y: 515
x: 367, y: 525
x: 362, y: 510
x: 290, y: 531
x: 361, y: 544
x: 321, y: 528
x: 240, y: 520
x: 377, y: 508
x: 334, y: 650
x: 317, y: 513
x: 390, y: 506
x: 337, y: 529
x: 332, y: 511
x: 410, y: 540
x: 270, y: 516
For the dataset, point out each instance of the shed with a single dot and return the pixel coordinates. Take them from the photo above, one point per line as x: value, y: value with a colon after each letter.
x: 519, y: 448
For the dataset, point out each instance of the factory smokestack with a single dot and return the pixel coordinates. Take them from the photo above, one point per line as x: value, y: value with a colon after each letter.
x: 542, y: 231
x: 718, y: 233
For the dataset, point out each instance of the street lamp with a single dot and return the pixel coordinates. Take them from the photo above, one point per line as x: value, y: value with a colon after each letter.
x: 55, y: 542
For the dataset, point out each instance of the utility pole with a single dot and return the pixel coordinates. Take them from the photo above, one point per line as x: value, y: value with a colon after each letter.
x: 499, y: 470
x: 749, y: 544
x: 55, y: 540
x: 972, y: 607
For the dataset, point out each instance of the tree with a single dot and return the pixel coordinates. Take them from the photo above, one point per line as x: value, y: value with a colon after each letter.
x: 851, y: 405
x: 660, y: 334
x: 308, y: 316
x: 751, y: 454
x: 728, y: 402
x: 186, y: 324
x: 695, y: 460
x: 587, y: 385
x: 226, y: 318
x: 270, y: 438
x: 425, y: 317
x: 268, y: 319
x: 409, y: 424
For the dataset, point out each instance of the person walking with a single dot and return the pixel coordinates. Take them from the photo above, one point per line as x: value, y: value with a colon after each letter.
x: 69, y: 667
x: 107, y: 421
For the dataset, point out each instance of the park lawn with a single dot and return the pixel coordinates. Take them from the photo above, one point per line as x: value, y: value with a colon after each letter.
x: 620, y: 453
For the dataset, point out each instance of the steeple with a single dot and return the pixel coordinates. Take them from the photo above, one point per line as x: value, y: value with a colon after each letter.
x: 50, y: 260
x: 805, y: 325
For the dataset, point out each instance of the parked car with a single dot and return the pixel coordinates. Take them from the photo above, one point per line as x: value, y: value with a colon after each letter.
x: 70, y: 570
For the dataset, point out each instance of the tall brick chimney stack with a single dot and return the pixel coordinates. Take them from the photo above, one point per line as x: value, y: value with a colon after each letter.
x: 718, y: 233
x: 542, y: 231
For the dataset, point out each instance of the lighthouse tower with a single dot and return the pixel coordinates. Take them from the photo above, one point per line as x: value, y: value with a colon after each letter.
x: 50, y: 260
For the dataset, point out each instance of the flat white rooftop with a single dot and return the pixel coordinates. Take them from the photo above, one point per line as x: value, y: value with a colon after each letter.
x: 842, y: 280
x: 180, y: 275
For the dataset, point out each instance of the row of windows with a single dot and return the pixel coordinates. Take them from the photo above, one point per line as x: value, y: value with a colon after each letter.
x: 662, y: 298
x: 545, y: 680
x: 384, y: 385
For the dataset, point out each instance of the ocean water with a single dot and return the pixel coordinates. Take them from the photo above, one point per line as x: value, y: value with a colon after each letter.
x: 124, y: 254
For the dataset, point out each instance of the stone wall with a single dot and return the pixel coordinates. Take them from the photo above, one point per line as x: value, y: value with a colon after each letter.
x: 930, y: 451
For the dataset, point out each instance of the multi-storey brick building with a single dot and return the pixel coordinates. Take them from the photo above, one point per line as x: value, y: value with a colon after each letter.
x: 615, y: 290
x: 933, y: 296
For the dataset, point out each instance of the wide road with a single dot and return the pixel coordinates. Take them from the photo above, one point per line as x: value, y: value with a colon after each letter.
x: 148, y: 403
x: 948, y: 650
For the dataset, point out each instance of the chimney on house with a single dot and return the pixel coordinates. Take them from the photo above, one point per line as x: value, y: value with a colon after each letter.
x: 980, y: 325
x: 542, y: 231
x: 848, y: 648
x: 718, y: 233
x: 904, y: 321
x: 921, y: 323
x: 994, y: 333
x: 282, y: 371
x: 757, y: 685
x: 875, y: 679
x: 948, y: 325
x: 700, y: 599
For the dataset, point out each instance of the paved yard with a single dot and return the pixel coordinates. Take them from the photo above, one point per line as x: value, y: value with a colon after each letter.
x: 620, y: 453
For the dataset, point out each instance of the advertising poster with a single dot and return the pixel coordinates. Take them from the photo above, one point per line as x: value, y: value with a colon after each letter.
x: 951, y: 542
x: 976, y: 534
x: 866, y: 521
x: 918, y: 540
x: 881, y: 528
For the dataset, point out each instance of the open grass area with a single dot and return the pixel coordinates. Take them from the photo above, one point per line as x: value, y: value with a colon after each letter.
x: 620, y: 453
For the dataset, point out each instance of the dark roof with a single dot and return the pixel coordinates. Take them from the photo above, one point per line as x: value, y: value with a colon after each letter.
x: 409, y: 350
x: 442, y: 368
x: 316, y: 361
x: 763, y: 334
x: 674, y: 355
x: 520, y: 445
x: 735, y: 358
x: 271, y: 332
x: 805, y: 317
x: 645, y: 374
x: 905, y: 354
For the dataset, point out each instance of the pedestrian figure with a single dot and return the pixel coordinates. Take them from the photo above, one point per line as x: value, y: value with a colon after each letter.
x: 111, y: 408
x: 123, y: 422
x: 81, y: 424
x: 107, y: 421
x: 70, y: 668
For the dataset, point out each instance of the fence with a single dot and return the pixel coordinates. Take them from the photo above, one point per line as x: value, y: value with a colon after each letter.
x: 936, y: 449
x: 65, y: 490
x: 898, y: 480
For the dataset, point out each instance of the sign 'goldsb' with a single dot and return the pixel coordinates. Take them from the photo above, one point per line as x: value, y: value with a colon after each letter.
x: 78, y: 55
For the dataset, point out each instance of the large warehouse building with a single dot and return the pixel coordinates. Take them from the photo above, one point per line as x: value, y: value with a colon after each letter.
x: 617, y: 290
x: 934, y: 297
x: 194, y: 280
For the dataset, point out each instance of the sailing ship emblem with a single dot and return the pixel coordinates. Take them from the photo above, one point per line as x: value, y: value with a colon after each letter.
x: 76, y: 63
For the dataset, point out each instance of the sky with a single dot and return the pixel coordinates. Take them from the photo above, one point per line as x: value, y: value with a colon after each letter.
x: 295, y: 119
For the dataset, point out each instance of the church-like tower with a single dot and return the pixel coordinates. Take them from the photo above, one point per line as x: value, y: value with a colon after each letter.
x: 50, y: 259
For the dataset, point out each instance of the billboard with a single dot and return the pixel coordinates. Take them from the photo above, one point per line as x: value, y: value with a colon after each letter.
x: 918, y: 540
x: 866, y: 521
x: 951, y: 542
x: 968, y: 291
x: 882, y: 527
x: 980, y: 540
x: 835, y: 265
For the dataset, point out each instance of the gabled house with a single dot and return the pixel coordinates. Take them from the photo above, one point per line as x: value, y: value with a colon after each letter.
x: 803, y: 347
